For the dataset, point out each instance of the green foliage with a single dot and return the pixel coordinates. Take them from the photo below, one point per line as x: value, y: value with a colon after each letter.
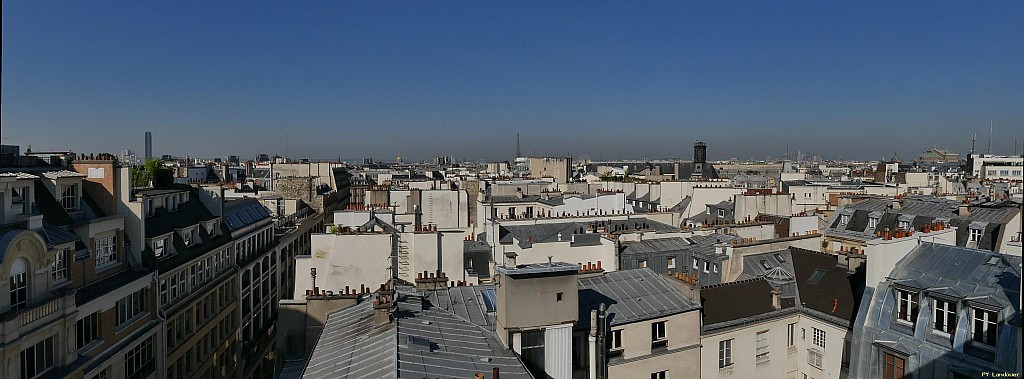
x: 152, y: 173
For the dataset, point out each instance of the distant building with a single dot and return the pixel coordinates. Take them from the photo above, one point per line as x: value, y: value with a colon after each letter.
x: 149, y: 145
x: 938, y: 155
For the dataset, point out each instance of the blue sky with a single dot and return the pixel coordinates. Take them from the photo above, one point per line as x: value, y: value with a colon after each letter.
x: 328, y: 79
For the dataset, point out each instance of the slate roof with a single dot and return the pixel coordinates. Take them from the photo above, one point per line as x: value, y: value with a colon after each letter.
x: 630, y: 296
x: 421, y: 341
x: 62, y: 174
x: 720, y: 305
x: 526, y: 235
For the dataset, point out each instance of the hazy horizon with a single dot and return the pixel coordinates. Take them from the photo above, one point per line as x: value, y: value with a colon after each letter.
x: 612, y: 81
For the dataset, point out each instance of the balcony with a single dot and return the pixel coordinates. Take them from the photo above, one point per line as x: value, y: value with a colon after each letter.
x: 16, y: 322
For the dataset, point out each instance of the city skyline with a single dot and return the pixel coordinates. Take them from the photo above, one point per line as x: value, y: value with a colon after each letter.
x: 379, y: 80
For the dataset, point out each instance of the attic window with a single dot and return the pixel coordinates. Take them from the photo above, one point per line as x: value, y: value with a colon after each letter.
x: 872, y: 222
x: 816, y: 276
x: 764, y: 263
x: 780, y: 257
x: 975, y: 235
x: 993, y: 260
x: 844, y: 219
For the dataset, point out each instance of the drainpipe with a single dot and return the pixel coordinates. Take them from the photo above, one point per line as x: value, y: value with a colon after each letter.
x: 592, y: 343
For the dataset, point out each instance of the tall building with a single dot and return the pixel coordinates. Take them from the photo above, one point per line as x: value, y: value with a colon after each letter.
x: 149, y: 145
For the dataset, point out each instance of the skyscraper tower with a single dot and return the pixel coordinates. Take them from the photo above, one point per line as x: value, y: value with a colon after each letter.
x: 517, y: 146
x: 149, y: 145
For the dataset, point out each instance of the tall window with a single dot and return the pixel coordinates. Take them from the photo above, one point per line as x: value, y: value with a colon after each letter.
x: 671, y: 261
x: 533, y: 352
x: 106, y: 250
x: 872, y: 222
x: 659, y: 375
x: 894, y: 367
x: 69, y: 197
x: 707, y: 266
x: 844, y: 219
x: 158, y: 247
x: 791, y: 334
x: 138, y: 362
x: 37, y: 359
x: 724, y: 353
x: 615, y: 339
x: 762, y: 346
x: 19, y: 284
x: 187, y: 236
x: 658, y: 331
x: 131, y: 306
x: 59, y: 269
x: 906, y: 306
x: 818, y: 338
x: 945, y: 316
x: 695, y: 265
x: 87, y: 330
x: 983, y: 326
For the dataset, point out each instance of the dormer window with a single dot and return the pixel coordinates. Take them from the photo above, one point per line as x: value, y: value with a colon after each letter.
x: 872, y: 222
x: 721, y: 213
x: 158, y: 247
x: 189, y: 235
x: 945, y: 316
x: 905, y: 225
x: 69, y: 197
x: 975, y: 235
x: 844, y: 219
x: 906, y: 306
x: 983, y: 326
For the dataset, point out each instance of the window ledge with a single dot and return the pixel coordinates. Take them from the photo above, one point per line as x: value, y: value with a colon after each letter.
x: 106, y: 266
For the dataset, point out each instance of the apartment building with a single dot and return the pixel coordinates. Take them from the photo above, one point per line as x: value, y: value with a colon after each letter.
x: 789, y: 316
x: 942, y: 311
x: 79, y: 303
x: 198, y: 282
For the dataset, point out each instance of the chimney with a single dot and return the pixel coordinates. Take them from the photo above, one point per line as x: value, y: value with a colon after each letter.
x: 495, y: 373
x: 896, y: 204
x: 963, y: 210
x: 776, y: 298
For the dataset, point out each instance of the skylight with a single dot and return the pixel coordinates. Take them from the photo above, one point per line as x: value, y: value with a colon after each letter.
x: 816, y: 276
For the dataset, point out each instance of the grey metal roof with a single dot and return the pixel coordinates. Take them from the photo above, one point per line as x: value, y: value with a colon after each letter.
x: 631, y: 296
x: 538, y: 268
x: 62, y: 174
x: 961, y: 272
x: 56, y: 236
x: 418, y: 343
x: 244, y: 212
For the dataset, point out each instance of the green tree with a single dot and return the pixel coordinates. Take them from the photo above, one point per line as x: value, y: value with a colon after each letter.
x: 152, y: 173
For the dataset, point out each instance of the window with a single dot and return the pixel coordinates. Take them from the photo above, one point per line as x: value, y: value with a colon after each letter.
x: 721, y: 213
x: 615, y: 340
x: 106, y: 250
x: 187, y: 236
x: 671, y: 261
x: 906, y: 305
x: 102, y: 374
x: 533, y: 352
x: 660, y: 375
x: 87, y: 330
x: 59, y: 269
x: 714, y: 267
x: 558, y: 296
x: 791, y: 335
x: 695, y: 265
x: 707, y: 266
x: 894, y: 367
x: 69, y: 197
x: 158, y: 247
x: 724, y: 353
x: 37, y: 359
x: 844, y: 219
x: 814, y: 357
x: 19, y: 284
x: 641, y: 263
x: 818, y: 338
x: 658, y: 331
x: 872, y: 222
x: 131, y: 306
x: 762, y: 346
x: 945, y: 316
x: 975, y: 235
x: 983, y: 326
x: 138, y: 362
x: 905, y: 225
x: 807, y: 195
